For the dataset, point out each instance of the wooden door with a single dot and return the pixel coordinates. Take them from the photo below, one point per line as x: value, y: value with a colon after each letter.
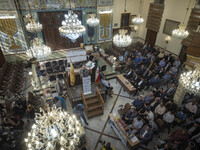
x: 2, y: 58
x: 51, y: 21
x: 151, y: 37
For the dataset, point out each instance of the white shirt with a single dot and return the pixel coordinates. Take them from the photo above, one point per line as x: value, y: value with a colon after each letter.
x: 160, y: 110
x: 144, y: 133
x: 192, y: 108
x: 169, y: 118
x: 150, y: 115
x: 140, y: 83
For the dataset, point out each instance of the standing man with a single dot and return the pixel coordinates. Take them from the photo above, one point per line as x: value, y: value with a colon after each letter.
x: 79, y: 111
x: 59, y: 87
x: 63, y: 103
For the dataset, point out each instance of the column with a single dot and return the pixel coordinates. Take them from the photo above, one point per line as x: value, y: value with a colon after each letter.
x: 179, y: 95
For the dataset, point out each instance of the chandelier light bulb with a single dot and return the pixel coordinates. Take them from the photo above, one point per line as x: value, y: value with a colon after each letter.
x: 180, y: 33
x: 121, y: 39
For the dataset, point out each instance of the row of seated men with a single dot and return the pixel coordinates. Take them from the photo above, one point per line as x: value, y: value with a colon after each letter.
x: 150, y: 115
x: 152, y: 70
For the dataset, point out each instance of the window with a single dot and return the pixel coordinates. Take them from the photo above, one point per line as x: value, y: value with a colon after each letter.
x: 198, y: 2
x: 125, y: 19
x: 159, y: 1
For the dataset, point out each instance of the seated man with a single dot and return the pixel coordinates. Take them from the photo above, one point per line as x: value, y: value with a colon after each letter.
x: 160, y: 110
x: 178, y: 137
x: 162, y: 63
x: 148, y: 98
x: 145, y: 135
x: 130, y: 115
x: 141, y: 70
x: 171, y: 91
x: 129, y: 74
x: 136, y: 125
x: 140, y: 85
x: 148, y: 115
x: 166, y: 77
x: 135, y: 79
x: 168, y: 119
x: 180, y: 117
x: 153, y: 81
x: 84, y: 71
x: 138, y: 103
x: 191, y: 108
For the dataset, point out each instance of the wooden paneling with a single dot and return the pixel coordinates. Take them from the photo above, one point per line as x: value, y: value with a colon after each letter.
x: 192, y: 25
x: 194, y: 47
x: 51, y: 21
x: 2, y: 58
x: 151, y: 37
x: 154, y: 16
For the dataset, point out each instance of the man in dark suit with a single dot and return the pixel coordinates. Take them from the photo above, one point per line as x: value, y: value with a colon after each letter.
x: 145, y: 134
x: 129, y: 74
x: 140, y: 85
x: 167, y: 66
x: 161, y: 73
x: 135, y: 79
x: 149, y: 75
x: 141, y: 70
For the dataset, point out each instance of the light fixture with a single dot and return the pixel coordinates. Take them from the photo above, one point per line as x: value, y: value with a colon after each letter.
x: 30, y: 73
x: 32, y: 26
x: 181, y: 33
x: 72, y: 27
x: 121, y: 39
x: 134, y: 28
x: 54, y: 129
x: 167, y: 39
x: 92, y: 21
x: 105, y: 11
x: 191, y: 81
x: 38, y: 50
x: 138, y: 19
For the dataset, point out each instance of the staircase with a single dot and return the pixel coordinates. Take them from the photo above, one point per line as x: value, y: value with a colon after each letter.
x: 94, y: 105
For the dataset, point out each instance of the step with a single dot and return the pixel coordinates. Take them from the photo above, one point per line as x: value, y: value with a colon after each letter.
x: 95, y: 113
x: 92, y: 101
x: 93, y: 107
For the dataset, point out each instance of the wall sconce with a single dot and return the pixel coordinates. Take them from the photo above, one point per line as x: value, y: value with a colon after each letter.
x: 134, y: 28
x: 167, y: 39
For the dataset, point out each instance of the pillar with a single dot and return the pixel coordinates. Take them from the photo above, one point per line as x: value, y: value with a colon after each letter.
x: 179, y: 95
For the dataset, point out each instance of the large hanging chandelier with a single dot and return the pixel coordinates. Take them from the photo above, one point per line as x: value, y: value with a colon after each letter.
x: 191, y: 81
x: 121, y: 39
x: 180, y: 33
x: 32, y: 26
x: 54, y: 129
x: 92, y: 21
x: 137, y: 20
x: 72, y: 27
x: 38, y: 50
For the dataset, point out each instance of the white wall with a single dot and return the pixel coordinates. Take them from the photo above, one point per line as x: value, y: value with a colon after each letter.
x: 174, y: 10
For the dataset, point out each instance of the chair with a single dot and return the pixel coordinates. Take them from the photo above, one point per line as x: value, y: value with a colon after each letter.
x: 61, y: 62
x: 60, y: 76
x: 54, y: 63
x: 48, y: 64
x: 52, y: 78
x: 49, y: 70
x: 122, y: 110
x: 62, y: 69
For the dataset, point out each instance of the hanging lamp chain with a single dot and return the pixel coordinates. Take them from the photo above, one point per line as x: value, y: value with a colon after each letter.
x: 29, y: 8
x: 125, y: 6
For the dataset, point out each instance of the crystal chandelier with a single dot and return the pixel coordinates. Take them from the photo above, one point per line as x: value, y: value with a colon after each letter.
x: 33, y: 27
x: 71, y: 27
x: 121, y: 39
x: 191, y: 81
x: 180, y: 33
x: 37, y: 49
x: 137, y: 20
x: 92, y: 21
x: 54, y: 129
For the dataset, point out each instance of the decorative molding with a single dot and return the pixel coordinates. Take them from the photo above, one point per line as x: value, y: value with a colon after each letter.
x: 102, y: 3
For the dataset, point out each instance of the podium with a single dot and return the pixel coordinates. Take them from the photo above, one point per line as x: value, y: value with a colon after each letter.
x: 87, y: 85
